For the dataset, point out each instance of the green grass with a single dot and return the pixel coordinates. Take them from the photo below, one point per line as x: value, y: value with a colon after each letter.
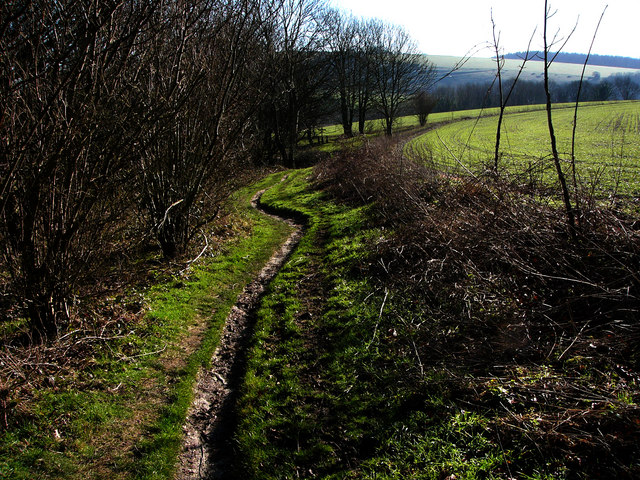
x: 374, y: 128
x: 607, y: 145
x: 333, y: 389
x: 351, y: 375
x: 122, y: 415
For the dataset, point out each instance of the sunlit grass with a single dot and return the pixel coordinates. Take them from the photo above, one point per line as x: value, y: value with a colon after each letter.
x: 607, y: 145
x: 324, y: 395
x: 122, y: 415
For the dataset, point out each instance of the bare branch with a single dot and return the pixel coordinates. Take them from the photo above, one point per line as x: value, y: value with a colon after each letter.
x: 575, y: 112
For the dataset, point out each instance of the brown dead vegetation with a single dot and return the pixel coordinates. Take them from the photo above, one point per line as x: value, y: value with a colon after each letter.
x: 526, y: 324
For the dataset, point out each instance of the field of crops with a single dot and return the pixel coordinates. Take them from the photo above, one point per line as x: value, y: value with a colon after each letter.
x: 411, y: 121
x: 607, y: 147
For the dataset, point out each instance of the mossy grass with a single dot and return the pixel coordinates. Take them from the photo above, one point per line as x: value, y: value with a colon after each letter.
x: 122, y: 416
x: 329, y: 392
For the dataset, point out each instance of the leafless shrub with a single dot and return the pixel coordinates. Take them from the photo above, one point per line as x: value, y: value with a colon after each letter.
x: 378, y: 173
x: 68, y: 136
x: 526, y: 301
x: 103, y: 104
x: 519, y: 318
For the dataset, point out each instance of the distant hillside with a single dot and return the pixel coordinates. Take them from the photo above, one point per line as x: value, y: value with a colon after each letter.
x: 579, y: 58
x: 481, y: 70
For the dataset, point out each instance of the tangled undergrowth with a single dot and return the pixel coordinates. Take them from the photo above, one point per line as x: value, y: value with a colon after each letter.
x: 520, y: 321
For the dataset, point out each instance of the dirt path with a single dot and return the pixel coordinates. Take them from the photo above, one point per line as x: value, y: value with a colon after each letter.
x: 207, y: 451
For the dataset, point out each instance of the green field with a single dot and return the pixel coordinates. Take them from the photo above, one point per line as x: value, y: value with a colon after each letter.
x: 607, y: 148
x: 377, y: 127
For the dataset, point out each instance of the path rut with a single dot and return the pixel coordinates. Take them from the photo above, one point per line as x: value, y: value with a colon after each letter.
x: 207, y: 451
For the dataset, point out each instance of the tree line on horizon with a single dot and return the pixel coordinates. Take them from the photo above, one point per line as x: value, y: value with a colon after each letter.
x: 474, y: 95
x: 127, y: 123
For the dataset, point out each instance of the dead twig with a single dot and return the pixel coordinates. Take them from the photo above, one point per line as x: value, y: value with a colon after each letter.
x: 375, y: 330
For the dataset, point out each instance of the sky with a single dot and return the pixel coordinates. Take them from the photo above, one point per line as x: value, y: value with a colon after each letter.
x: 455, y: 27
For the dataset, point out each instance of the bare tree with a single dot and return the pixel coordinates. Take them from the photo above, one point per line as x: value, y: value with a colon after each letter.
x: 625, y: 87
x: 365, y: 68
x: 399, y: 71
x: 294, y: 46
x: 196, y: 83
x: 69, y: 124
x: 342, y: 36
x: 548, y: 45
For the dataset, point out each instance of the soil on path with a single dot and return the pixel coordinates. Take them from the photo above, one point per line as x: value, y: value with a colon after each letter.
x: 207, y: 450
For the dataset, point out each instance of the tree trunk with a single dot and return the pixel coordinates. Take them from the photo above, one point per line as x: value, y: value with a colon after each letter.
x: 362, y: 113
x: 496, y: 155
x: 361, y: 124
x: 554, y: 147
x: 347, y: 118
x: 42, y: 318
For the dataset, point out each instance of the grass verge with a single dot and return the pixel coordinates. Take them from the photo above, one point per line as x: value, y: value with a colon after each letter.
x: 326, y: 393
x: 108, y: 400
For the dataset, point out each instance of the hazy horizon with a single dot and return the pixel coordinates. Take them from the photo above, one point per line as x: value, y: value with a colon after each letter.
x: 515, y: 21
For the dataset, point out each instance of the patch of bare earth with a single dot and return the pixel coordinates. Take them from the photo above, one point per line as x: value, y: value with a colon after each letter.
x: 207, y: 451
